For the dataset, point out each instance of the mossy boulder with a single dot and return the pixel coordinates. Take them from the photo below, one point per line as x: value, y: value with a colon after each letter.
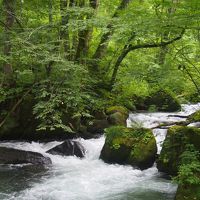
x: 136, y: 147
x: 195, y: 117
x: 189, y: 192
x: 117, y: 118
x: 114, y: 109
x: 163, y: 101
x: 117, y: 115
x: 178, y: 137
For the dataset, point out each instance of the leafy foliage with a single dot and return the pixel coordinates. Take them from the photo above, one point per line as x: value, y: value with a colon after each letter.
x: 189, y: 169
x: 119, y: 134
x: 69, y: 52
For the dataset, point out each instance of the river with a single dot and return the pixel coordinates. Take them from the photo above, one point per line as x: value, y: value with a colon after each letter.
x: 72, y: 178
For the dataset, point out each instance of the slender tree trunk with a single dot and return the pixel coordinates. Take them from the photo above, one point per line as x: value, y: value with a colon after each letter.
x: 102, y: 47
x: 64, y: 33
x: 192, y: 79
x: 50, y: 11
x: 94, y: 3
x: 164, y: 49
x: 9, y: 9
x: 85, y: 35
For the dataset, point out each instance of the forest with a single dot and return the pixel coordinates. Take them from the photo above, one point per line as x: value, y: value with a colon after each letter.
x: 74, y: 69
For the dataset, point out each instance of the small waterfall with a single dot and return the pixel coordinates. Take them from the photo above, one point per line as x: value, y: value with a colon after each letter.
x: 151, y: 120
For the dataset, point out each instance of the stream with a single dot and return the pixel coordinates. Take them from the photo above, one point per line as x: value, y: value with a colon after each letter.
x: 72, y: 178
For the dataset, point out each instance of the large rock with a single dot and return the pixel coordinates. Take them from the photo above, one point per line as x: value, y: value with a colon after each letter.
x: 136, y: 147
x: 114, y: 115
x: 162, y: 101
x: 68, y: 148
x: 16, y: 156
x: 177, y: 139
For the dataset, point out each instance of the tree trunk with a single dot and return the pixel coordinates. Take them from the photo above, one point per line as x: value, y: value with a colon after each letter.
x: 50, y: 12
x: 9, y: 7
x: 64, y: 32
x: 164, y: 49
x: 102, y: 47
x: 85, y: 35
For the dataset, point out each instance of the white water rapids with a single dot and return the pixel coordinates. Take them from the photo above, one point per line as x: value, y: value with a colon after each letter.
x: 72, y: 178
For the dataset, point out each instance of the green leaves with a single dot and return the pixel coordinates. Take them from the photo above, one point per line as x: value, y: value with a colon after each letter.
x: 189, y: 169
x: 25, y: 77
x: 49, y: 112
x: 44, y: 54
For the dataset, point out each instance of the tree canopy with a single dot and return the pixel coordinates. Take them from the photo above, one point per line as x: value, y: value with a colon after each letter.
x: 75, y: 56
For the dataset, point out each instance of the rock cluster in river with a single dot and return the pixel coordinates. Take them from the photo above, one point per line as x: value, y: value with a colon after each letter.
x: 17, y: 156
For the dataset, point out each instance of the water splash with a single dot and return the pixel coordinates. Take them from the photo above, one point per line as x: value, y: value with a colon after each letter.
x: 89, y: 178
x: 151, y: 120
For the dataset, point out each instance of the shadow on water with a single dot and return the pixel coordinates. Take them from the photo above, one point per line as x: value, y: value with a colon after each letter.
x: 15, y: 178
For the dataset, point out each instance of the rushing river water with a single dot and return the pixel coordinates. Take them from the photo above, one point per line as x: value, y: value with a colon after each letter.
x: 72, y: 178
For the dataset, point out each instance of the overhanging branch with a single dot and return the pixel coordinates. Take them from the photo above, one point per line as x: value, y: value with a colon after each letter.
x: 129, y: 47
x: 155, y: 45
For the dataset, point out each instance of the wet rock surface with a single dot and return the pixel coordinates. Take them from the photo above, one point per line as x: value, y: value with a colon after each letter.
x: 68, y: 148
x: 16, y: 156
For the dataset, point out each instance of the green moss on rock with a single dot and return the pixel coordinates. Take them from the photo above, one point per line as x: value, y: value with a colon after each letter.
x: 117, y: 118
x: 195, y: 117
x: 178, y: 137
x: 136, y: 147
x: 114, y: 109
x: 117, y: 115
x: 143, y: 154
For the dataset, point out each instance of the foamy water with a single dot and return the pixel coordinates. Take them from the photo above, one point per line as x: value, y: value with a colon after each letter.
x: 89, y: 178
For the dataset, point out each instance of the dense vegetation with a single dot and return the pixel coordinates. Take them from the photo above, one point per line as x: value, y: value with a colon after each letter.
x: 75, y: 56
x: 64, y: 63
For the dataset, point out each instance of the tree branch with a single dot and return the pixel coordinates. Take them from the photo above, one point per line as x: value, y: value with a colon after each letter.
x: 4, y: 25
x: 15, y: 107
x: 129, y: 47
x: 155, y: 45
